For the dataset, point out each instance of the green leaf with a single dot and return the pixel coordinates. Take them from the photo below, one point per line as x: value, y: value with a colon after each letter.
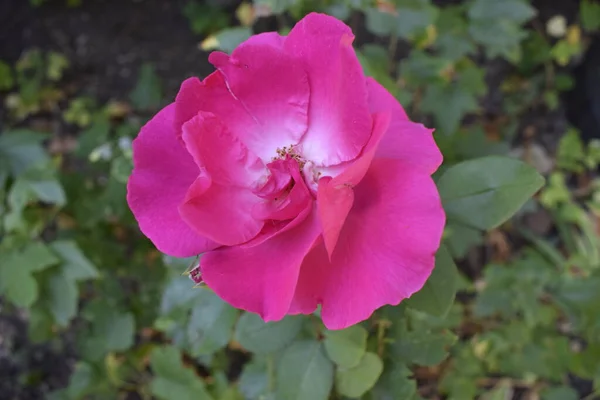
x: 560, y: 393
x: 449, y: 102
x: 147, y: 93
x: 22, y: 149
x: 94, y: 136
x: 346, y: 347
x: 36, y: 256
x: 571, y: 152
x: 205, y: 18
x: 19, y: 286
x: 75, y: 265
x: 41, y: 325
x: 461, y: 239
x: 80, y: 381
x: 497, y: 26
x: 6, y: 76
x: 354, y: 382
x: 589, y: 14
x: 49, y: 191
x: 111, y: 329
x: 514, y: 10
x: 422, y: 347
x: 304, y: 373
x: 484, y: 192
x: 15, y: 272
x: 62, y: 297
x: 36, y: 185
x: 409, y: 21
x: 121, y: 168
x: 276, y: 6
x: 254, y: 380
x: 262, y: 337
x: 394, y: 384
x: 56, y: 64
x: 121, y: 333
x: 178, y: 294
x: 374, y: 61
x: 172, y: 380
x: 437, y: 295
x: 227, y: 39
x: 211, y: 323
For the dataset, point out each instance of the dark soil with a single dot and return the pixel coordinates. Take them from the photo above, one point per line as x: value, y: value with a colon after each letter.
x: 106, y: 41
x: 29, y: 371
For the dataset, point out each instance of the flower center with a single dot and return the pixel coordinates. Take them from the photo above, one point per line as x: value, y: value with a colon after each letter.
x: 285, y: 151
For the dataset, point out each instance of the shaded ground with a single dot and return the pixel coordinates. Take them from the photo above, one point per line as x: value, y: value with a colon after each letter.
x: 106, y: 41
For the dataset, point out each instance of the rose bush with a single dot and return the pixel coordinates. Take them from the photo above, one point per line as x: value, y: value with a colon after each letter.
x: 302, y: 181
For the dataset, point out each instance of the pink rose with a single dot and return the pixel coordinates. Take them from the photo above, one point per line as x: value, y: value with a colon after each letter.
x: 302, y: 181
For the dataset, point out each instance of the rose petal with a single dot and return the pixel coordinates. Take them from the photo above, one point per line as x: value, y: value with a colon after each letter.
x: 278, y: 180
x: 339, y: 119
x: 385, y: 251
x: 163, y: 171
x: 220, y: 212
x: 335, y: 196
x: 262, y: 279
x: 405, y: 140
x: 210, y: 95
x: 223, y: 156
x: 273, y: 88
x: 287, y: 205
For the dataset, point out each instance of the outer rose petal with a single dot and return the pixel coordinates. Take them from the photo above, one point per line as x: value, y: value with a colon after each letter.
x: 339, y: 118
x: 385, y: 251
x: 222, y: 213
x: 273, y: 88
x: 262, y: 278
x: 336, y: 196
x: 405, y: 140
x: 216, y: 150
x: 155, y: 189
x: 211, y: 95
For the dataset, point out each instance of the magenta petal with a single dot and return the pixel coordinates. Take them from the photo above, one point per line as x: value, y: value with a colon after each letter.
x: 273, y: 88
x: 389, y: 239
x: 221, y: 213
x: 285, y: 204
x: 405, y: 140
x: 217, y: 151
x: 210, y: 95
x: 334, y: 204
x: 335, y: 196
x: 262, y: 278
x: 339, y: 118
x: 155, y: 189
x: 278, y: 181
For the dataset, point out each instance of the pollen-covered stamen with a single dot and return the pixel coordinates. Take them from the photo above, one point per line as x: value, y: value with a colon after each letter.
x: 289, y: 151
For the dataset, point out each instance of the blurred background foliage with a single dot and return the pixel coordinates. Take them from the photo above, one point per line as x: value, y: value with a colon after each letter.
x: 90, y: 310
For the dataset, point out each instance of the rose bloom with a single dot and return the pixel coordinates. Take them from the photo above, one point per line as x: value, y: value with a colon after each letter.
x: 301, y: 181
